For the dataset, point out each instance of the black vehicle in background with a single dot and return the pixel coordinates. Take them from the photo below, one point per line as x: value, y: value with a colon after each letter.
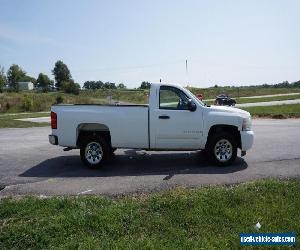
x: 224, y: 100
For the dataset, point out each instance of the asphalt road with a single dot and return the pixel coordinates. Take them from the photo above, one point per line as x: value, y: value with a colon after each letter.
x: 271, y: 103
x: 30, y: 165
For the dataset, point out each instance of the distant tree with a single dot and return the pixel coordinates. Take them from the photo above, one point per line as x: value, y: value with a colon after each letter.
x: 145, y: 85
x: 284, y: 84
x: 110, y: 85
x: 99, y: 85
x: 44, y: 83
x: 93, y: 85
x: 296, y: 84
x: 121, y: 86
x: 216, y: 86
x: 88, y: 84
x: 2, y: 79
x: 70, y: 87
x: 14, y: 75
x: 61, y: 74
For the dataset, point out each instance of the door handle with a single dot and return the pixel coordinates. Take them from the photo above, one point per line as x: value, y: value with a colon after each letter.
x: 164, y: 117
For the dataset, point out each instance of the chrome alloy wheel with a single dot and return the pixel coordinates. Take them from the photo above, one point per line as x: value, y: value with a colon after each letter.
x: 223, y: 150
x: 93, y: 152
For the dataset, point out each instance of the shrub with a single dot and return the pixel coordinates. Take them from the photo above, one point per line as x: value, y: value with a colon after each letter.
x: 27, y: 103
x: 59, y: 99
x: 39, y: 104
x: 70, y: 87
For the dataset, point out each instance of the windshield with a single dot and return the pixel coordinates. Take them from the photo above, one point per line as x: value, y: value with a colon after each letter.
x: 195, y: 97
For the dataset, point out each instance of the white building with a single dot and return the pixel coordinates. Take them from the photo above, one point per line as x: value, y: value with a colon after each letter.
x: 26, y: 85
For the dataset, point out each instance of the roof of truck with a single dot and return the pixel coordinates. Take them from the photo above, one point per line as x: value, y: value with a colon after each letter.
x: 167, y: 84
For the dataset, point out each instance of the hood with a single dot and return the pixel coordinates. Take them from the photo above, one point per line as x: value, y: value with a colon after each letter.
x: 232, y: 110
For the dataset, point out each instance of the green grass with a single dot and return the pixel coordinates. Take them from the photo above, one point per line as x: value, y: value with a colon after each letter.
x: 130, y: 95
x: 29, y: 101
x: 8, y: 120
x: 262, y: 99
x: 279, y: 111
x: 268, y: 99
x: 211, y: 93
x: 202, y: 218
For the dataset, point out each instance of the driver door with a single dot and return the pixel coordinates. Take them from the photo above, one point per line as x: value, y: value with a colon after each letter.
x: 173, y: 124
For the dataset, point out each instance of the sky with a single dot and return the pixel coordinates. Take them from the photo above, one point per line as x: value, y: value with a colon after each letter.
x: 224, y: 42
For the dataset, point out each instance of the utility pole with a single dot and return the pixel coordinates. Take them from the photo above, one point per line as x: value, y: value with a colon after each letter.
x: 186, y: 72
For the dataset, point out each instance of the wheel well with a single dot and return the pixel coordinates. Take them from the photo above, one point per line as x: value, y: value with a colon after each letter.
x: 92, y: 129
x: 233, y: 130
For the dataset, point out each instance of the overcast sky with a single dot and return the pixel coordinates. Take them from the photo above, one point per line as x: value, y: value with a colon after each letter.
x: 225, y: 42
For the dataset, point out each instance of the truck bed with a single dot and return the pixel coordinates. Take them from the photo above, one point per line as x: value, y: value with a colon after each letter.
x: 127, y: 123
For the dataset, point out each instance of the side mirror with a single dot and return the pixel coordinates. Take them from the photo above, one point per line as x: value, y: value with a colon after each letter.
x: 191, y: 105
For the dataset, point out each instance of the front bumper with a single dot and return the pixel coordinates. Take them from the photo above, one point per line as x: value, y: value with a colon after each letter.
x: 247, y: 138
x: 53, y: 139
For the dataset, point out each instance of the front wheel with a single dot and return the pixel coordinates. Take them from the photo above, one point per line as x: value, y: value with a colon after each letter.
x: 94, y: 152
x: 222, y: 149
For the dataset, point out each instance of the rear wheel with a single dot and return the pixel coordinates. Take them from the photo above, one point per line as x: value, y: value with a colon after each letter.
x: 232, y: 103
x: 94, y: 152
x: 222, y: 149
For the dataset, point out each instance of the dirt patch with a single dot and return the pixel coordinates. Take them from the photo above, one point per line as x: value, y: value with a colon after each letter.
x: 273, y: 116
x: 279, y: 117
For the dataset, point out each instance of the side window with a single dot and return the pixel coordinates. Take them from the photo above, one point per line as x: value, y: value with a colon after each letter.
x: 172, y: 98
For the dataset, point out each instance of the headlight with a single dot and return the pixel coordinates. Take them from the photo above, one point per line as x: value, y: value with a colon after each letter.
x: 246, y: 124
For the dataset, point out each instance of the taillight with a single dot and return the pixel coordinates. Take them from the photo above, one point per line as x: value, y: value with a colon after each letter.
x: 53, y: 120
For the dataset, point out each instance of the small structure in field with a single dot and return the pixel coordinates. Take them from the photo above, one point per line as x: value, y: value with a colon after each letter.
x: 26, y: 85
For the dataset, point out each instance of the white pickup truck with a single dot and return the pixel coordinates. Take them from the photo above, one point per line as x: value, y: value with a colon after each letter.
x: 174, y: 120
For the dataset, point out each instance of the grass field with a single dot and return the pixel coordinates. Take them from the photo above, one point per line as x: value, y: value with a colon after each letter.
x: 268, y: 99
x: 211, y: 93
x: 262, y: 99
x: 278, y: 111
x: 8, y: 120
x: 202, y: 218
x: 34, y: 102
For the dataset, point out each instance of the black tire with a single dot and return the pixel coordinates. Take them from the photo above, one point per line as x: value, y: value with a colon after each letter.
x: 217, y: 149
x: 88, y: 159
x: 232, y: 103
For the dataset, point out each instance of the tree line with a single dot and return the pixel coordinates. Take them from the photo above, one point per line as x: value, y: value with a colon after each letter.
x: 63, y: 80
x: 111, y: 85
x: 102, y: 85
x: 284, y: 84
